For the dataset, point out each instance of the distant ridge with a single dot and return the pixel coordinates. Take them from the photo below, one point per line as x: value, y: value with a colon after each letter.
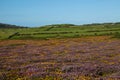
x: 72, y: 25
x: 3, y: 25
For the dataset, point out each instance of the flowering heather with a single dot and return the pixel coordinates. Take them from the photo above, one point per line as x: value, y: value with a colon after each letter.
x: 88, y: 58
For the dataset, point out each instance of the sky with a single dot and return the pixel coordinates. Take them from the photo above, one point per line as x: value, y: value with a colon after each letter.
x: 45, y: 12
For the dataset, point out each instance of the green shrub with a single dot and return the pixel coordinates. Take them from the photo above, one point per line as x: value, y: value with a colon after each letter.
x: 116, y: 35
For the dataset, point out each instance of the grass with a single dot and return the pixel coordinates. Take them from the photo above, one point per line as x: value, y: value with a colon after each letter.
x: 55, y: 31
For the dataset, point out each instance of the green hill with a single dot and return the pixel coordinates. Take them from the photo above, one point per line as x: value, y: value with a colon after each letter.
x: 60, y: 31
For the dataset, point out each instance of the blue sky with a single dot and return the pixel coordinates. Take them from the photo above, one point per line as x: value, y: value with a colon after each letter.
x: 44, y: 12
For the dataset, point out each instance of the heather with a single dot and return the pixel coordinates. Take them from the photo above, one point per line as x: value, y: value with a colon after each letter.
x: 86, y: 58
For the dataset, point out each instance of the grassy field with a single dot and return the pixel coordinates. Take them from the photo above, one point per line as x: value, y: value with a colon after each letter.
x: 61, y: 31
x: 61, y: 52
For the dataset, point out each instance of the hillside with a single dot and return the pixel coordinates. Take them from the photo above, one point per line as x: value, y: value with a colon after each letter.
x: 61, y: 52
x: 60, y: 31
x: 3, y: 25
